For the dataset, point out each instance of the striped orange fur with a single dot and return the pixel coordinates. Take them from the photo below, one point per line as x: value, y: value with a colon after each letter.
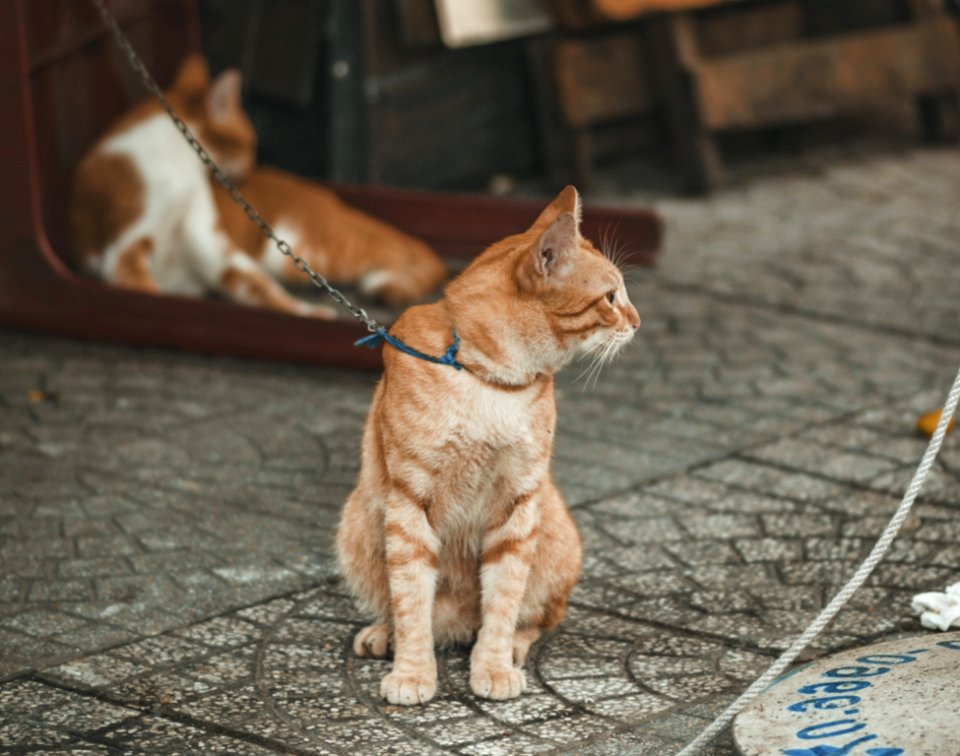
x: 455, y: 530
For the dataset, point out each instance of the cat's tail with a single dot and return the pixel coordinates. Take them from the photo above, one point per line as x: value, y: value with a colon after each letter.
x: 413, y: 271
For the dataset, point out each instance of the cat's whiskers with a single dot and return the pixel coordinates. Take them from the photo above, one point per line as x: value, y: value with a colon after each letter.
x: 623, y: 255
x: 607, y: 236
x: 615, y: 250
x: 601, y: 355
x: 598, y: 365
x: 610, y: 246
x: 594, y: 355
x: 606, y: 357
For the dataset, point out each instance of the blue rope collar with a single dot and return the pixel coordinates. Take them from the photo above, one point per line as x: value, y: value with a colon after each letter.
x: 376, y: 338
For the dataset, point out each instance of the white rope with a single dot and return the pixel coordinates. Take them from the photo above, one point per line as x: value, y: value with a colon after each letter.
x: 855, y: 582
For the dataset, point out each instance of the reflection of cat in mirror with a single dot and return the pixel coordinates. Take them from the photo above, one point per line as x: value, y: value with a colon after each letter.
x: 146, y: 215
x: 455, y: 529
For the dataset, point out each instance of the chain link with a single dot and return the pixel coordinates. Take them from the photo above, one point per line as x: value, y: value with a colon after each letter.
x: 265, y: 228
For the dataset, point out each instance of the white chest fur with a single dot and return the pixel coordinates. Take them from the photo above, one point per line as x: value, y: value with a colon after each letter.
x: 485, y: 446
x: 178, y: 209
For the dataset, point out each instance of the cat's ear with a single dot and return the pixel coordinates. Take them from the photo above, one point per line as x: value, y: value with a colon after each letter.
x: 223, y: 99
x: 568, y: 201
x: 556, y: 247
x: 193, y: 76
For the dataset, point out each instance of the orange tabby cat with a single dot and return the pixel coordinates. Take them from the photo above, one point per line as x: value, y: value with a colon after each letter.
x: 146, y: 215
x: 455, y: 529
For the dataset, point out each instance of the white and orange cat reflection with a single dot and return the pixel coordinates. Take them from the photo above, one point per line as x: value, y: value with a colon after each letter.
x: 146, y: 215
x: 455, y: 530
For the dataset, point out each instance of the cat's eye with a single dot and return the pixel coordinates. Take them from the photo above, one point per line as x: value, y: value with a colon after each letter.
x: 611, y: 295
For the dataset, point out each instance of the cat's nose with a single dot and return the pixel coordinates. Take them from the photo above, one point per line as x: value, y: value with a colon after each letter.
x: 634, y: 318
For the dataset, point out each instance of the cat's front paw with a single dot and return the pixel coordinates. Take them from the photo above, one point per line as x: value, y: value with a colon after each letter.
x: 498, y: 683
x: 409, y: 689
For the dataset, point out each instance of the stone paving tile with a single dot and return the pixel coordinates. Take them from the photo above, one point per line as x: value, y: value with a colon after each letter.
x: 166, y: 521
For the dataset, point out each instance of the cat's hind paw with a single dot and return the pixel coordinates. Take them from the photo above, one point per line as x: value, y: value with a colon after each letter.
x: 408, y: 689
x: 497, y: 683
x: 372, y: 642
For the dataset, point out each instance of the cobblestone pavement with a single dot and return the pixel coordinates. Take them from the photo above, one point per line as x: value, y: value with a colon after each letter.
x: 166, y: 580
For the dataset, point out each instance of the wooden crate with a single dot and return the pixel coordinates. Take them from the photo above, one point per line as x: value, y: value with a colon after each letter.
x: 718, y: 66
x: 713, y: 84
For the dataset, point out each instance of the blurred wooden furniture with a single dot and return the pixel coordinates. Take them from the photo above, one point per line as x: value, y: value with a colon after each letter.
x: 625, y: 9
x: 62, y: 82
x: 613, y: 84
x: 801, y: 79
x: 724, y: 65
x: 599, y: 82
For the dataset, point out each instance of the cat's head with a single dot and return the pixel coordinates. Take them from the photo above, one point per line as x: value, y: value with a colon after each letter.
x: 549, y: 294
x: 579, y: 290
x: 213, y: 110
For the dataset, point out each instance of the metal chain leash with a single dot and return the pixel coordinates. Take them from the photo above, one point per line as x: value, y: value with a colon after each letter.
x: 148, y: 81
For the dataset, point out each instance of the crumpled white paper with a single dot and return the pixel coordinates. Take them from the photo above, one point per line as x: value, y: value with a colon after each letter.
x: 938, y: 611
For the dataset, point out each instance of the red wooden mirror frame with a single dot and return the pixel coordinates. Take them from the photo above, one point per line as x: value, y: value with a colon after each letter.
x: 62, y: 82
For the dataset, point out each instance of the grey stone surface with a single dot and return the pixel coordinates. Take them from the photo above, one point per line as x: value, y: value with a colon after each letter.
x: 869, y: 239
x: 166, y: 520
